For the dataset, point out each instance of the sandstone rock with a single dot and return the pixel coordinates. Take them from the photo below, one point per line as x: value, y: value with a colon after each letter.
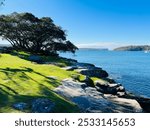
x: 120, y: 89
x: 70, y: 68
x: 70, y: 88
x: 129, y: 104
x: 99, y: 83
x: 96, y: 72
x: 144, y: 103
x: 89, y: 82
x: 121, y: 94
x: 110, y: 80
x: 20, y: 106
x: 111, y: 90
x: 108, y: 88
x: 90, y: 100
x: 115, y: 85
x: 101, y: 87
x: 42, y: 105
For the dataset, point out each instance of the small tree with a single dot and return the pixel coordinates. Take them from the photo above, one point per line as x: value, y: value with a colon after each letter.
x: 37, y: 35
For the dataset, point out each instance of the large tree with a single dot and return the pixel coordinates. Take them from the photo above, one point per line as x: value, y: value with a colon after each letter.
x: 2, y: 2
x: 38, y: 35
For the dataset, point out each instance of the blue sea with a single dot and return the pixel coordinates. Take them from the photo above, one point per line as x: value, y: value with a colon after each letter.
x: 131, y: 69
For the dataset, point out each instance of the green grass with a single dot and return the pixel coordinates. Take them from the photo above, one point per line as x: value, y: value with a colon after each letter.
x: 23, y: 81
x: 102, y: 81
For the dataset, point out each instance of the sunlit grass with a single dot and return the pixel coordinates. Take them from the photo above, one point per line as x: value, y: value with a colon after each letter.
x: 22, y: 81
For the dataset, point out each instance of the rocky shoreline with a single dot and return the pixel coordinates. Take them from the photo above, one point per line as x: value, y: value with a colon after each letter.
x: 102, y: 94
x: 98, y: 96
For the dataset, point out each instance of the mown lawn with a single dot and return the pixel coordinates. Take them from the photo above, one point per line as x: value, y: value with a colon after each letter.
x: 22, y: 81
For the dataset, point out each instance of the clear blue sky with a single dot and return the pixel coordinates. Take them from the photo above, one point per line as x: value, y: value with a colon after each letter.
x: 93, y: 22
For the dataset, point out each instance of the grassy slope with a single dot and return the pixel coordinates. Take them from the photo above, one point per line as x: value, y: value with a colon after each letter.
x: 22, y: 81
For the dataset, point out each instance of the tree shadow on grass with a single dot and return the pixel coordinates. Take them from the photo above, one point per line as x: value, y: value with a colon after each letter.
x: 11, y: 72
x: 8, y: 89
x: 61, y: 105
x: 45, y: 91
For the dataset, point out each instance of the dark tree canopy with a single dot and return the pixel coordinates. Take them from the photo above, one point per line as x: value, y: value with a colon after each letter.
x: 38, y: 35
x: 2, y: 2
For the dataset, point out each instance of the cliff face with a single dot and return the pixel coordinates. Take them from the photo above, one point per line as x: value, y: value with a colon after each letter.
x: 133, y: 48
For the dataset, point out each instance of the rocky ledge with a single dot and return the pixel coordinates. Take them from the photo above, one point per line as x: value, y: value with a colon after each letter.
x: 98, y: 96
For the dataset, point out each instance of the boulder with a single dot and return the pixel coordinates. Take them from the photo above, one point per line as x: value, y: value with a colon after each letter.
x: 121, y: 94
x: 71, y: 88
x: 111, y: 90
x: 102, y: 88
x: 90, y: 100
x: 88, y: 81
x: 20, y: 106
x: 121, y: 89
x: 115, y: 85
x: 144, y: 103
x: 110, y: 80
x: 42, y: 105
x: 70, y: 68
x: 107, y: 88
x: 125, y: 105
x: 94, y: 72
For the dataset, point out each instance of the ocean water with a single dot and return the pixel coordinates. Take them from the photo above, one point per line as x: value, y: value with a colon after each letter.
x: 131, y: 69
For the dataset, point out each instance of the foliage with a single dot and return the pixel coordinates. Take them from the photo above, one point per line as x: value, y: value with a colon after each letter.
x: 37, y: 35
x: 2, y: 2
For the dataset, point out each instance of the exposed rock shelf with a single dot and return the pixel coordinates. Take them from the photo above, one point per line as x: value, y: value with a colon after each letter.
x: 89, y: 99
x: 97, y: 96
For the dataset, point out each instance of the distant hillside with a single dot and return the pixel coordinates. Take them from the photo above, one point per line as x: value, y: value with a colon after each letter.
x: 133, y: 48
x: 103, y: 49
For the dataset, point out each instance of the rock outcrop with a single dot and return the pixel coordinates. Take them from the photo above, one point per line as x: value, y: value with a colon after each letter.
x: 88, y: 81
x: 94, y: 72
x: 110, y: 88
x: 106, y: 96
x: 39, y: 105
x: 89, y: 99
x: 130, y: 104
x: 42, y: 105
x: 20, y: 106
x: 144, y: 102
x: 88, y: 69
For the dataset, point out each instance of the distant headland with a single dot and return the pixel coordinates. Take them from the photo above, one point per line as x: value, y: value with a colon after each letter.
x: 102, y: 49
x: 133, y: 48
